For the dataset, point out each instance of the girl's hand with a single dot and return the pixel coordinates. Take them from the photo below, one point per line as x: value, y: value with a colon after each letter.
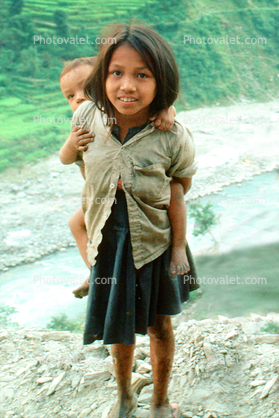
x: 79, y: 138
x: 164, y: 120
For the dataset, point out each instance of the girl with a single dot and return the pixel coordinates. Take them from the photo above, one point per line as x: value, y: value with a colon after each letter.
x: 72, y: 80
x: 130, y: 245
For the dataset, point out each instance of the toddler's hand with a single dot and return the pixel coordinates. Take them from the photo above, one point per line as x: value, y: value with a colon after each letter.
x: 164, y: 119
x: 79, y: 138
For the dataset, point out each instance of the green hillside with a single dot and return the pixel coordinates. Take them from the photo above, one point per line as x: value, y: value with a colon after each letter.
x: 34, y: 115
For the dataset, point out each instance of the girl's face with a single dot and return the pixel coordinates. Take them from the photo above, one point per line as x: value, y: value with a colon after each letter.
x: 130, y: 85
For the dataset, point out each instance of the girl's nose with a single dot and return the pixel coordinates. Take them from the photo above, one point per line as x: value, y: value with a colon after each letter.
x: 127, y: 84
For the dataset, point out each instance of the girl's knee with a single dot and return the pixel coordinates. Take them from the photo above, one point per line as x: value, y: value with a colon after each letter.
x: 162, y: 329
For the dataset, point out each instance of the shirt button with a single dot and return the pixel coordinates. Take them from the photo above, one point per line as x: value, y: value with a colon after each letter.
x: 112, y: 185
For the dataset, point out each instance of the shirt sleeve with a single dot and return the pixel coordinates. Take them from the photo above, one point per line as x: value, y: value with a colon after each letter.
x: 182, y: 150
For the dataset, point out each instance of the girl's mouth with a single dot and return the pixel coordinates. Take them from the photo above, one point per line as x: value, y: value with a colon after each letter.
x: 127, y: 99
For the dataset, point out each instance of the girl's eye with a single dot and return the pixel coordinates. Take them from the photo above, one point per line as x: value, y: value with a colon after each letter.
x: 116, y: 72
x: 70, y: 96
x: 141, y: 75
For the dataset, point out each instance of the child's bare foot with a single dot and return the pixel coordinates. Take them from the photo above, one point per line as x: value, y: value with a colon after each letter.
x: 124, y: 407
x: 82, y: 290
x: 179, y: 262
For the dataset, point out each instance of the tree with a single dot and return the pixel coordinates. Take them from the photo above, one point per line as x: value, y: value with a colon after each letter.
x: 16, y: 7
x: 204, y: 217
x: 60, y: 19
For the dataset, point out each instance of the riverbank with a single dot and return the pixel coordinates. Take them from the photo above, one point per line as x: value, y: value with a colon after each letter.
x: 226, y: 367
x: 232, y: 144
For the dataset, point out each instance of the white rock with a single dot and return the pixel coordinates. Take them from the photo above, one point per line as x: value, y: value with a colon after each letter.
x: 85, y: 412
x: 144, y: 368
x: 268, y: 386
x: 231, y: 334
x: 100, y: 376
x: 138, y: 381
x: 55, y: 335
x: 257, y: 383
x: 52, y: 388
x: 44, y: 380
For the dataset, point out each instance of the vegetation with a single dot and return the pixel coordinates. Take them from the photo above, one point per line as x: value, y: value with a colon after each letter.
x: 214, y: 71
x: 271, y: 328
x: 63, y: 323
x: 204, y: 217
x: 5, y: 312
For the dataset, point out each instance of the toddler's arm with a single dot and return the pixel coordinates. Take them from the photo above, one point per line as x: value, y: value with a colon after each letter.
x: 164, y: 119
x: 178, y: 218
x: 77, y: 141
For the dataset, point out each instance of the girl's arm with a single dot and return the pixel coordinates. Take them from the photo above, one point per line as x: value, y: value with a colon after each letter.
x: 77, y: 141
x: 164, y: 119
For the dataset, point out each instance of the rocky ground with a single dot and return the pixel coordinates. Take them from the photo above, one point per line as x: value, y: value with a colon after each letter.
x: 222, y: 368
x: 232, y: 144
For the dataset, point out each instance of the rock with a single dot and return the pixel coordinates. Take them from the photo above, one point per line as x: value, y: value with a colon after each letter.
x: 267, y: 388
x: 266, y: 338
x: 44, y: 380
x: 99, y: 376
x: 144, y: 368
x: 55, y: 335
x: 144, y: 398
x: 85, y: 412
x: 257, y: 383
x: 231, y: 334
x: 139, y: 381
x: 4, y: 335
x: 52, y: 388
x: 109, y: 361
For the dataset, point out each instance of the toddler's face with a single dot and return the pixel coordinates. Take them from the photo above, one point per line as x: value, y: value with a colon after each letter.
x: 130, y: 85
x: 72, y: 84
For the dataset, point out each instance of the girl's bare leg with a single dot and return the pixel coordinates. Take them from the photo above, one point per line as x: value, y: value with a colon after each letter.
x: 178, y: 217
x: 162, y: 347
x: 123, y: 364
x: 78, y: 229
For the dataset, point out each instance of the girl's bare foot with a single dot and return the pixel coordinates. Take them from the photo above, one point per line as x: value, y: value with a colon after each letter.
x: 125, y: 407
x: 179, y: 262
x: 82, y: 290
x: 164, y: 410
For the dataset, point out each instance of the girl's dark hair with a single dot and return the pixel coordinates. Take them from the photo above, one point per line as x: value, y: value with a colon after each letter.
x: 153, y: 49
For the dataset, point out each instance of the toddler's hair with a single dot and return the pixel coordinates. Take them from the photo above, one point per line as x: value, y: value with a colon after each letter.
x: 70, y: 65
x: 156, y: 54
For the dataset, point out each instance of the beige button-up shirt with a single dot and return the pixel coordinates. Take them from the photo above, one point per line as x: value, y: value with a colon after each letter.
x: 146, y: 164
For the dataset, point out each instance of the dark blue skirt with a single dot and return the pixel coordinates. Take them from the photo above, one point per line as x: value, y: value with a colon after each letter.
x: 122, y: 300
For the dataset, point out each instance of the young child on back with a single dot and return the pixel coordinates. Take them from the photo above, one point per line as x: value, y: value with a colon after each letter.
x: 72, y: 80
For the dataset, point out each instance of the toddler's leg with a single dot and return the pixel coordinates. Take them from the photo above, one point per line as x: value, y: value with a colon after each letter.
x: 78, y: 229
x: 177, y: 213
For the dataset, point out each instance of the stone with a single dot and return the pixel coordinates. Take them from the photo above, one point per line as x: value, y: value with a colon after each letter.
x: 257, y: 383
x: 139, y: 381
x: 44, y: 380
x: 231, y: 334
x: 268, y: 386
x: 52, y: 388
x: 144, y: 368
x: 99, y: 376
x: 55, y: 335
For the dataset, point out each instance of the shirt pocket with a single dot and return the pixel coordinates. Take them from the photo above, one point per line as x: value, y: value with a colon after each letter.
x: 150, y: 183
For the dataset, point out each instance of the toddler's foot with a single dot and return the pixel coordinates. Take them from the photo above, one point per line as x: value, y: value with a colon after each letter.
x: 82, y: 290
x: 179, y: 262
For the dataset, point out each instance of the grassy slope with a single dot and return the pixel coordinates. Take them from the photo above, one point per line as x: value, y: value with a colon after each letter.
x: 209, y: 73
